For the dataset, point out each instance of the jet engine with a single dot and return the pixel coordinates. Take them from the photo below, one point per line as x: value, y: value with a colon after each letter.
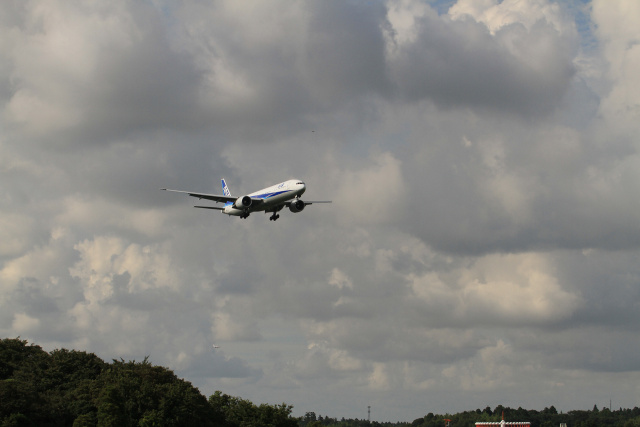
x: 242, y: 202
x: 296, y: 206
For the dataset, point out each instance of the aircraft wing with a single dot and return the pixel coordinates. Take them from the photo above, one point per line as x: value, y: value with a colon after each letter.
x: 307, y: 203
x: 215, y: 197
x: 255, y: 201
x: 209, y: 207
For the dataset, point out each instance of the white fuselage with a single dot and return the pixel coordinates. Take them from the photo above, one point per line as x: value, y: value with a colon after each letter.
x: 273, y: 198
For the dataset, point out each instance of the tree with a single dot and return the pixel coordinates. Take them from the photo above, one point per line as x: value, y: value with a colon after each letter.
x: 239, y: 412
x: 141, y: 394
x: 13, y: 354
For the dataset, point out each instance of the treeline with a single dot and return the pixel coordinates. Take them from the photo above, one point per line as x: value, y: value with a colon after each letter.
x: 549, y: 417
x: 311, y: 420
x: 75, y: 388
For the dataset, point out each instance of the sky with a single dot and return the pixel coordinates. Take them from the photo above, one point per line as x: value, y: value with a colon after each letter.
x: 482, y: 156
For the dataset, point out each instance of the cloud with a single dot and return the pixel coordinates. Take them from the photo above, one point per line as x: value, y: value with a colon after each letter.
x: 487, y: 61
x: 482, y: 243
x: 106, y: 69
x: 340, y: 280
x: 622, y: 52
x: 498, y: 288
x: 365, y: 198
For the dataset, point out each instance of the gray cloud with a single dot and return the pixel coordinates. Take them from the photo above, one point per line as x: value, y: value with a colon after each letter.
x: 462, y: 64
x: 482, y: 244
x: 109, y: 72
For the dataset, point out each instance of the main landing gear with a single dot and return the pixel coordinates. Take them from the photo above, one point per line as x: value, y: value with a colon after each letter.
x: 274, y: 217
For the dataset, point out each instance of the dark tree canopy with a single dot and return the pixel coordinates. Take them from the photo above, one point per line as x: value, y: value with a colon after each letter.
x: 75, y: 388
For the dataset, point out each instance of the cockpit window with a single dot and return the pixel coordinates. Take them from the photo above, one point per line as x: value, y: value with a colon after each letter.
x: 300, y: 182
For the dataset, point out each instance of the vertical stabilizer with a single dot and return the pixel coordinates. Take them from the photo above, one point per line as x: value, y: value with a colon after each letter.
x: 225, y: 189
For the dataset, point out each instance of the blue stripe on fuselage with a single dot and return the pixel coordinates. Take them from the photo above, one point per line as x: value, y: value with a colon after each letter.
x: 269, y: 195
x: 264, y: 196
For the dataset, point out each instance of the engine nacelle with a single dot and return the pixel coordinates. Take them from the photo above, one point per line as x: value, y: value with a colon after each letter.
x: 296, y: 206
x: 242, y: 202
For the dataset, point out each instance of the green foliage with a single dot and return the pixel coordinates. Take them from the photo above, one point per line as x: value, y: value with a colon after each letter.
x: 548, y: 417
x: 74, y: 388
x: 42, y: 386
x: 133, y: 393
x: 237, y: 412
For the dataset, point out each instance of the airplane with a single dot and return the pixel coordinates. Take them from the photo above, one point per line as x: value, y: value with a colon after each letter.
x: 271, y: 199
x: 216, y: 346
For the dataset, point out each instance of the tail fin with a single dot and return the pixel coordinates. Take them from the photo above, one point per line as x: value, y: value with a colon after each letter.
x: 225, y: 189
